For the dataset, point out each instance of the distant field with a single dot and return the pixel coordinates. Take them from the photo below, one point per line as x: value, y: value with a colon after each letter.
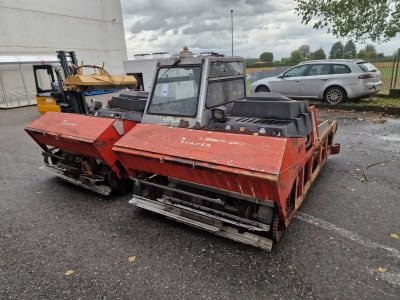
x: 256, y: 70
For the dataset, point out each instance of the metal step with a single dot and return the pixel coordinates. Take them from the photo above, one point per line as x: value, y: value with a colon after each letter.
x: 100, y: 189
x: 199, y: 220
x: 214, y: 214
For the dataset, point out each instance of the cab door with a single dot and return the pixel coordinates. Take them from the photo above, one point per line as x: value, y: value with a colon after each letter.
x: 45, y: 86
x: 44, y: 78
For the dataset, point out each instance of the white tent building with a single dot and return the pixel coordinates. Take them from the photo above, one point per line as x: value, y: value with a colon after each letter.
x: 32, y: 31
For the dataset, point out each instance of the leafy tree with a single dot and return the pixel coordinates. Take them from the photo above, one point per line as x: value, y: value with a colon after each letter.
x: 362, y: 54
x: 369, y: 52
x: 319, y: 54
x: 304, y: 50
x: 349, y: 50
x: 336, y: 50
x: 286, y: 60
x: 370, y: 48
x: 377, y: 20
x: 251, y: 61
x: 296, y: 57
x: 267, y: 56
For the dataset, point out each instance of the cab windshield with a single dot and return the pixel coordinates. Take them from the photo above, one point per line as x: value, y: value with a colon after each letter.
x: 176, y: 91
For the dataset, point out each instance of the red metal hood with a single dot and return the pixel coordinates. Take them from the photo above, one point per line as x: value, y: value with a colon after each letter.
x: 259, y: 156
x: 80, y: 134
x: 84, y: 128
x: 257, y: 166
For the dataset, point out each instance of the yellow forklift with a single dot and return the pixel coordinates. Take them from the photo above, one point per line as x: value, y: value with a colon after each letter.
x: 63, y: 87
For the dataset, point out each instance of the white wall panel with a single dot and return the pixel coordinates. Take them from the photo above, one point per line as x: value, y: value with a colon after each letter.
x: 93, y: 28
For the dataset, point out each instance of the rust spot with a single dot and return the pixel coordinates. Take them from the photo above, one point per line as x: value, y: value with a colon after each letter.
x: 197, y: 126
x: 183, y: 124
x: 300, y: 148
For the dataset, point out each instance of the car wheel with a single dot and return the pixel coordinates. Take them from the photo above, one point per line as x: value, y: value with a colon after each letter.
x: 262, y: 88
x: 334, y: 95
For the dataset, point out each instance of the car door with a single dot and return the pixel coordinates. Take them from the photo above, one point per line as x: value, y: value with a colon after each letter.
x: 288, y: 83
x: 315, y: 80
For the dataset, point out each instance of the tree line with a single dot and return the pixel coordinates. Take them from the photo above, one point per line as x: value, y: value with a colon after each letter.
x: 338, y: 51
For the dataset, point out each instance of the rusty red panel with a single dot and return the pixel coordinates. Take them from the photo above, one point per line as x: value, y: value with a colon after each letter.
x: 250, y: 153
x: 80, y: 134
x: 258, y: 166
x: 78, y: 127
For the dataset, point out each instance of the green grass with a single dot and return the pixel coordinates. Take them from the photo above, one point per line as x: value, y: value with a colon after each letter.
x: 248, y: 87
x: 377, y: 101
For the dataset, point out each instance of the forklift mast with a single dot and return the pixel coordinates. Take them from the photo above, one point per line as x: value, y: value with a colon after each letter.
x: 68, y: 62
x: 67, y: 93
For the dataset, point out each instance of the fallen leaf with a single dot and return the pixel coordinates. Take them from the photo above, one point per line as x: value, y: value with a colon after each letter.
x: 379, y: 121
x: 395, y: 236
x: 382, y: 269
x: 353, y: 190
x: 69, y: 272
x: 131, y: 258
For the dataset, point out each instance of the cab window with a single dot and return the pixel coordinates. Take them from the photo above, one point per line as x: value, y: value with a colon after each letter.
x: 223, y: 91
x: 226, y: 68
x: 176, y: 92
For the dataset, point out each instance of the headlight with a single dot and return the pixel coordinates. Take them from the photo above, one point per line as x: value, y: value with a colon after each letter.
x: 218, y: 114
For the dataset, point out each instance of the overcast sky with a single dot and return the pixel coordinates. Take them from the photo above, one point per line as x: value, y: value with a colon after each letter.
x: 205, y: 25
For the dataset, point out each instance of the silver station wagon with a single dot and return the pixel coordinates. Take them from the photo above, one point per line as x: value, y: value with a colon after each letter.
x: 333, y: 80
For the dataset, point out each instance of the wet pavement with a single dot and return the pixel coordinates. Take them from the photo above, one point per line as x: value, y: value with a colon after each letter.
x: 58, y: 241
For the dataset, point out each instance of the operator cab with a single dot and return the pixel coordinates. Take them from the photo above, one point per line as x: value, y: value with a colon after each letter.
x: 188, y: 87
x: 209, y: 91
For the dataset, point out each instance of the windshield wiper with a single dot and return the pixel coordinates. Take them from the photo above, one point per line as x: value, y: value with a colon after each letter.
x: 177, y: 61
x: 224, y: 103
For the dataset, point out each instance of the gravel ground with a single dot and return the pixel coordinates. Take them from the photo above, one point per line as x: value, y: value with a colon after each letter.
x: 111, y: 250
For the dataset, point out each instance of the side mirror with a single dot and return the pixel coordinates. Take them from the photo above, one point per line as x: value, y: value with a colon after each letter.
x: 281, y: 76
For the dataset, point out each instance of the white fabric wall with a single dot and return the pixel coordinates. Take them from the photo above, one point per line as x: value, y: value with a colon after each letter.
x: 93, y: 28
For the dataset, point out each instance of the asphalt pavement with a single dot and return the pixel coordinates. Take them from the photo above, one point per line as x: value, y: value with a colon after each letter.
x: 58, y: 241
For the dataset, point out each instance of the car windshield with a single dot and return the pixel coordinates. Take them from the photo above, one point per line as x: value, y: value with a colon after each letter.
x: 176, y: 91
x: 367, y: 67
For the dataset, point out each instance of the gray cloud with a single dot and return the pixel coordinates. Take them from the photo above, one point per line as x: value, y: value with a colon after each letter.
x: 259, y: 25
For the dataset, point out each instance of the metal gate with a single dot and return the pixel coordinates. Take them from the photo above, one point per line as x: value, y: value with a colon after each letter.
x: 17, y: 83
x: 394, y: 89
